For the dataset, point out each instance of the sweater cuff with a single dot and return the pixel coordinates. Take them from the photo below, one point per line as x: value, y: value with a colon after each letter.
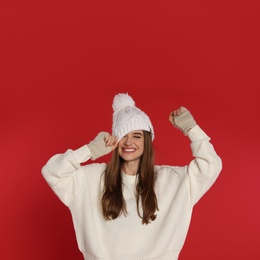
x: 196, y: 133
x: 82, y: 154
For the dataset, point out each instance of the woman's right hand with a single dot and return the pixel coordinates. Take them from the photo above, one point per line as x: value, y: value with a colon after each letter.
x: 111, y: 141
x: 103, y: 144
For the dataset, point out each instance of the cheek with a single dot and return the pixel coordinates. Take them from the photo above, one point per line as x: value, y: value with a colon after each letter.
x: 141, y: 146
x: 120, y: 145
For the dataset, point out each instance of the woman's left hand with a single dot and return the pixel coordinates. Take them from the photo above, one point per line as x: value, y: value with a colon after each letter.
x: 182, y: 119
x: 174, y: 113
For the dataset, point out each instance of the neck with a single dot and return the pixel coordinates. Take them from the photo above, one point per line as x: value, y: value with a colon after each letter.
x: 130, y: 168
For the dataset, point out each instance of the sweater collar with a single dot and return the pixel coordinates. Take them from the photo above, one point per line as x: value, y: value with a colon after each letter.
x: 128, y: 178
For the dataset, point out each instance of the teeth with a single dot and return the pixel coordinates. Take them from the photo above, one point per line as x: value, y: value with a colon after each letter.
x: 129, y: 150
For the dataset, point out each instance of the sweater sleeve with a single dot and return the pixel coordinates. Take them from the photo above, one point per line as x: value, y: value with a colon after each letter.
x: 63, y: 173
x: 206, y: 166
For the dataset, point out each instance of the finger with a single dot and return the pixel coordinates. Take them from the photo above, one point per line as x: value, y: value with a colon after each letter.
x: 108, y: 142
x: 171, y: 118
x: 174, y: 113
x: 178, y: 110
x: 107, y: 136
x: 111, y: 141
x: 114, y: 146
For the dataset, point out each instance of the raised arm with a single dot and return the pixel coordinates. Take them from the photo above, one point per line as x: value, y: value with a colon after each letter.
x: 63, y: 172
x: 204, y: 169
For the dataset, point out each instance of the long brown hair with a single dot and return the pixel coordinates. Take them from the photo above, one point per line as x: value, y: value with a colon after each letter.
x: 113, y: 203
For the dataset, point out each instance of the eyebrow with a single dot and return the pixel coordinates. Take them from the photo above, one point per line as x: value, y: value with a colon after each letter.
x: 137, y: 133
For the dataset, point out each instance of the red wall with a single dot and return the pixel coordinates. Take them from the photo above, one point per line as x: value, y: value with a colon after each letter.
x: 61, y: 65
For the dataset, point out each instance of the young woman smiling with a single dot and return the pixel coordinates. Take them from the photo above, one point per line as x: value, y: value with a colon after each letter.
x: 131, y: 209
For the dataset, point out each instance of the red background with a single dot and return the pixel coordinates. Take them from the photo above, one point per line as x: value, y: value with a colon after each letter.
x: 61, y: 64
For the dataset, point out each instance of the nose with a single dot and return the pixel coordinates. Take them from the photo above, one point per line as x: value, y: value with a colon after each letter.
x: 128, y: 140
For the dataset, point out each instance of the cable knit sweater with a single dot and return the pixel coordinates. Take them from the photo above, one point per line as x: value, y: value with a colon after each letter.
x: 125, y: 238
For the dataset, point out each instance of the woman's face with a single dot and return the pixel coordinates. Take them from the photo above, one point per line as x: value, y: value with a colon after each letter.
x: 131, y: 146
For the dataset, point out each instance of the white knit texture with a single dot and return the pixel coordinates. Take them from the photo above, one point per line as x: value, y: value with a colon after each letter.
x: 125, y: 238
x: 127, y: 117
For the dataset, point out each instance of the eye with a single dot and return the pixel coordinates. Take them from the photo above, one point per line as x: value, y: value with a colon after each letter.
x: 137, y: 136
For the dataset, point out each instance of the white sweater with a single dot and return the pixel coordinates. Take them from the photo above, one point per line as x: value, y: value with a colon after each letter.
x: 125, y: 238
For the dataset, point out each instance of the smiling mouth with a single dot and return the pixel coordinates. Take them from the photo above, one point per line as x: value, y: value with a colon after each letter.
x: 129, y: 150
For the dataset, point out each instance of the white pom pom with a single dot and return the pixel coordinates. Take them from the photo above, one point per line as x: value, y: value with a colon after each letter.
x: 121, y: 101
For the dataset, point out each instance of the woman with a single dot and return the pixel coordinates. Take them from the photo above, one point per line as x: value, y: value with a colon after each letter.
x: 130, y: 208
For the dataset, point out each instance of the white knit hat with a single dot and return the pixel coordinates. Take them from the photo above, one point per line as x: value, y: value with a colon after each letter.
x: 127, y: 117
